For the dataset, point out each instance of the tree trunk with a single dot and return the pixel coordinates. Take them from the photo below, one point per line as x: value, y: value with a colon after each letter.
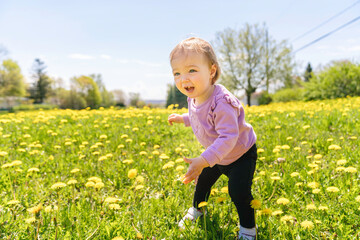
x: 248, y: 96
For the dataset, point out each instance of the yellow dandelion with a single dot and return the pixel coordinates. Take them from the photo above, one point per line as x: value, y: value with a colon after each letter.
x: 313, y: 185
x: 255, y: 204
x: 117, y: 238
x: 114, y: 206
x: 128, y: 161
x: 202, y: 204
x: 341, y: 162
x: 214, y: 191
x: 35, y: 209
x: 132, y: 173
x: 111, y: 200
x: 287, y: 218
x: 316, y: 191
x: 3, y: 154
x: 350, y: 170
x: 138, y: 187
x: 294, y: 174
x: 13, y: 202
x: 156, y: 146
x: 94, y: 179
x: 139, y: 235
x: 178, y: 149
x: 16, y: 163
x: 121, y: 146
x: 307, y: 224
x: 224, y: 190
x: 357, y: 198
x: 180, y: 168
x: 58, y: 185
x: 75, y: 170
x: 155, y: 152
x: 103, y: 136
x: 102, y: 158
x: 277, y: 212
x: 6, y: 165
x: 143, y: 153
x: 285, y: 147
x: 220, y: 199
x: 275, y: 178
x: 332, y: 189
x: 317, y: 156
x: 179, y: 160
x: 297, y: 148
x: 89, y: 184
x: 30, y: 170
x: 334, y: 147
x: 260, y: 150
x: 140, y: 179
x: 99, y: 185
x: 311, y: 207
x: 72, y: 181
x: 340, y: 169
x: 266, y: 211
x: 283, y: 201
x: 164, y: 156
x: 262, y: 173
x: 30, y: 220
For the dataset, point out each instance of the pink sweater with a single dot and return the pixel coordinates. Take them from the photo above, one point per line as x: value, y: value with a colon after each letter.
x: 219, y: 125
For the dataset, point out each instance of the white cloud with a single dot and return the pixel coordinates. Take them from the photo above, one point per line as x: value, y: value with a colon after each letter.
x: 81, y: 56
x: 140, y: 62
x: 104, y: 56
x: 159, y: 75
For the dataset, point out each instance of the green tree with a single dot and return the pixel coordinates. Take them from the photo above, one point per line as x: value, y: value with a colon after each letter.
x: 11, y: 80
x: 251, y: 59
x: 106, y: 96
x: 42, y: 83
x: 135, y: 100
x: 86, y: 88
x: 174, y: 96
x: 339, y: 79
x: 119, y: 97
x: 308, y: 73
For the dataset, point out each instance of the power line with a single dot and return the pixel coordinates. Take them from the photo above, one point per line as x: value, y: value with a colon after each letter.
x: 326, y: 21
x: 327, y: 34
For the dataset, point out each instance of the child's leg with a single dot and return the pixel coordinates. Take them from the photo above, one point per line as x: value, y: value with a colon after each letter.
x: 240, y: 175
x: 206, y: 180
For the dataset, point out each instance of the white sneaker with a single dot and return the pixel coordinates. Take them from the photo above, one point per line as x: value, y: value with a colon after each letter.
x: 247, y: 233
x: 244, y: 236
x: 192, y: 214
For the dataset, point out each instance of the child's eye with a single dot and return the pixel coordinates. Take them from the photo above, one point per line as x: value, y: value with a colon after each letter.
x: 192, y: 70
x: 176, y: 74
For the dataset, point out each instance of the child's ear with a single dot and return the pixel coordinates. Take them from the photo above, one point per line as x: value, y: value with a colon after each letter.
x: 213, y: 70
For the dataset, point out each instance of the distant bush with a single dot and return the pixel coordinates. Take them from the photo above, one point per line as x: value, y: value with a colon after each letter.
x: 264, y: 98
x: 30, y: 107
x: 289, y: 94
x: 338, y: 80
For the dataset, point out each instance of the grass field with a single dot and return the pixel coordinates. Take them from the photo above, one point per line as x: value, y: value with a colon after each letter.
x: 107, y: 173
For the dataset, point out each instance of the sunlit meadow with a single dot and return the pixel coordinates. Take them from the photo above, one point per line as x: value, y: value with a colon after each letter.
x: 116, y: 174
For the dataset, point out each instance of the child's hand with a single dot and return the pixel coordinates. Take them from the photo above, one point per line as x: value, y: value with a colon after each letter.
x: 195, y: 168
x: 175, y: 118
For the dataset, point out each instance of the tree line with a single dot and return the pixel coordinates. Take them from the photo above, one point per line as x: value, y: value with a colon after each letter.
x: 253, y: 61
x: 85, y: 91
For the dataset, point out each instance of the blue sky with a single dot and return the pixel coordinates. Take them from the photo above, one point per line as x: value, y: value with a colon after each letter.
x: 129, y: 42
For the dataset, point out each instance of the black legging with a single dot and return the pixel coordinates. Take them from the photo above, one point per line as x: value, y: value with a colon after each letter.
x: 240, y: 174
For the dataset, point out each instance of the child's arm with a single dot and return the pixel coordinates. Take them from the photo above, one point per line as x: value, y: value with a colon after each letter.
x: 175, y: 118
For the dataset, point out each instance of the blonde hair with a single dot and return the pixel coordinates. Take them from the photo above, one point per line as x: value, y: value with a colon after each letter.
x: 199, y: 46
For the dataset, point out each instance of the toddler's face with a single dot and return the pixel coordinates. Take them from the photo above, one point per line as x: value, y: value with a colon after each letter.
x: 192, y: 75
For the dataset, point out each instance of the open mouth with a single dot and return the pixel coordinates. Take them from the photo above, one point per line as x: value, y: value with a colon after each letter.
x: 189, y: 89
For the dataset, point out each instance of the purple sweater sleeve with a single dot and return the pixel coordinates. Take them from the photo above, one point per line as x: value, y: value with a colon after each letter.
x: 186, y: 119
x: 227, y: 126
